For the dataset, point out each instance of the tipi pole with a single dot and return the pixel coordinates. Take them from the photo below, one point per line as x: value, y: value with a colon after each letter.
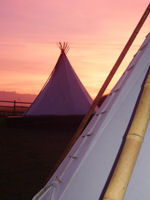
x: 110, y: 76
x: 121, y: 176
x: 103, y: 88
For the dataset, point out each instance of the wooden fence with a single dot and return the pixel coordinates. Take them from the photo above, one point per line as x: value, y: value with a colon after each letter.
x: 13, y: 108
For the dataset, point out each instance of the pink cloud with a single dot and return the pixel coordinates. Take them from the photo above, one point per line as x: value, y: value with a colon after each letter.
x: 96, y: 30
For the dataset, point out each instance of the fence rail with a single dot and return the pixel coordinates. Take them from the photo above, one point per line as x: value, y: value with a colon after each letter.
x: 20, y: 102
x: 13, y: 107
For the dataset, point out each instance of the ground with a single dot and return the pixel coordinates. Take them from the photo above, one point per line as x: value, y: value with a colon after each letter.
x: 28, y: 154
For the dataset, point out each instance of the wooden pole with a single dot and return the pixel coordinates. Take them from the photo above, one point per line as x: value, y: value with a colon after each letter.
x: 14, y: 110
x: 103, y: 88
x: 109, y: 78
x: 121, y: 176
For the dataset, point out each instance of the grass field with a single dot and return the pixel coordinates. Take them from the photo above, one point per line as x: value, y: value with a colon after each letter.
x: 28, y: 154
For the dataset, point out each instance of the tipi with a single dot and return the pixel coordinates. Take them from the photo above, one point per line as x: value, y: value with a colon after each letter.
x: 63, y: 93
x: 87, y: 169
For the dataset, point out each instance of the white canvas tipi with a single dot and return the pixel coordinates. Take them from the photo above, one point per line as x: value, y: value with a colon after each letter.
x: 63, y: 93
x: 86, y: 170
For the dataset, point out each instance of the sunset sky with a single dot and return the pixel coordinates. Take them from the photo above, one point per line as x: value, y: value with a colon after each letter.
x: 96, y: 31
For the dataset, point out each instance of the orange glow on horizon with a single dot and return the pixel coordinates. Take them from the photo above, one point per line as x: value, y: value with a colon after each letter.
x: 96, y: 31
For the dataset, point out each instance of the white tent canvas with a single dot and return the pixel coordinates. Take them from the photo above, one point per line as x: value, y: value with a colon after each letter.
x: 84, y: 172
x: 63, y: 93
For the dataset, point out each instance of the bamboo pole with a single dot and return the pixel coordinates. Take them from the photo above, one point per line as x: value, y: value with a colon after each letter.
x: 120, y: 179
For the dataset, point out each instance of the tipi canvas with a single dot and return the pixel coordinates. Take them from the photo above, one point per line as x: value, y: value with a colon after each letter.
x: 86, y: 170
x: 63, y: 93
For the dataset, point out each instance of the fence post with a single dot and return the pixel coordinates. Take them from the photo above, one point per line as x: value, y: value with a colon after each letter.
x: 14, y: 107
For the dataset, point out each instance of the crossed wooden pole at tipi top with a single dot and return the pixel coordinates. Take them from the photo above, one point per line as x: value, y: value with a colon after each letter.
x: 64, y: 47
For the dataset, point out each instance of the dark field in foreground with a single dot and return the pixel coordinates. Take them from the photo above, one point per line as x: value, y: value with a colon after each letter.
x: 28, y: 155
